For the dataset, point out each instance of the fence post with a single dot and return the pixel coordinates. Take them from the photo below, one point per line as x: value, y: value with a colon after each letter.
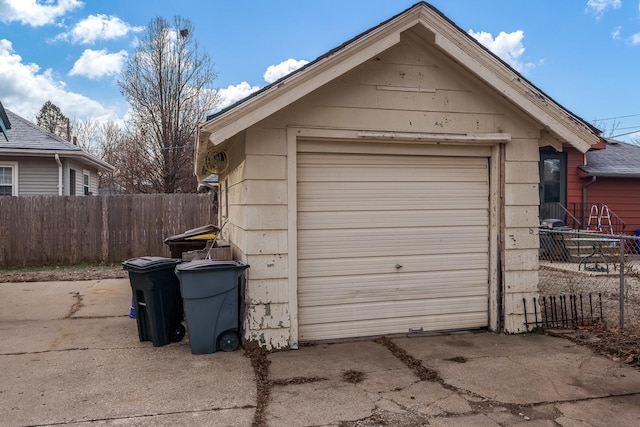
x: 104, y: 235
x: 622, y: 267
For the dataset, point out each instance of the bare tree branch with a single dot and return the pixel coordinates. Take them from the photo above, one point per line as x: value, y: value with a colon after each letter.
x: 168, y: 84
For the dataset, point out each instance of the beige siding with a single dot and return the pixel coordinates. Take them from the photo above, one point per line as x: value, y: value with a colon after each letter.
x: 521, y: 229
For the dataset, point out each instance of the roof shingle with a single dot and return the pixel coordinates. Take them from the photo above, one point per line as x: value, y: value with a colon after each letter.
x: 619, y: 159
x: 29, y: 136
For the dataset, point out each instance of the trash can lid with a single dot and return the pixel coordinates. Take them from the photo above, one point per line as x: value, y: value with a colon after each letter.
x: 206, y: 229
x: 147, y: 263
x: 209, y: 264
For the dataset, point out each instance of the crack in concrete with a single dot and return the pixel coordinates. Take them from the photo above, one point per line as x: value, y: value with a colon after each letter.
x: 94, y: 317
x: 477, y: 407
x: 77, y: 305
x: 134, y: 417
x: 23, y: 353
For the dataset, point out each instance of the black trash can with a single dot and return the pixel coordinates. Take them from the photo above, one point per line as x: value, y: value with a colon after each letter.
x: 210, y: 294
x: 156, y: 299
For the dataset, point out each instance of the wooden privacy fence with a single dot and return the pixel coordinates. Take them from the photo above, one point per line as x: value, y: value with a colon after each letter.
x: 68, y: 230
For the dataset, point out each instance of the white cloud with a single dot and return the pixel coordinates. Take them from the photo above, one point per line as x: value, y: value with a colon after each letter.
x: 36, y: 13
x: 615, y: 34
x: 635, y: 39
x: 99, y: 27
x: 598, y: 7
x: 275, y: 72
x: 507, y: 46
x: 98, y: 63
x: 25, y: 87
x: 235, y: 93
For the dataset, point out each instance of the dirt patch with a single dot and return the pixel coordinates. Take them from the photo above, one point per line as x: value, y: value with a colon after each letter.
x: 620, y: 345
x: 66, y: 273
x: 353, y: 376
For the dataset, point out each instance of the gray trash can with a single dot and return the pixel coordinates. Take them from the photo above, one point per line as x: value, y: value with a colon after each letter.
x: 210, y: 295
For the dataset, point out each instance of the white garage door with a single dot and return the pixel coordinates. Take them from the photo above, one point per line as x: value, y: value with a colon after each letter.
x: 391, y: 244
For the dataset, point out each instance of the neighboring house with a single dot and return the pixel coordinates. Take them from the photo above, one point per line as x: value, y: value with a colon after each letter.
x: 388, y: 187
x: 607, y: 175
x: 35, y: 162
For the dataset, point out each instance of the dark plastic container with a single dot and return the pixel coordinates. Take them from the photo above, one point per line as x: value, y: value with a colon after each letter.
x: 210, y: 294
x: 637, y: 242
x: 180, y: 242
x: 156, y: 299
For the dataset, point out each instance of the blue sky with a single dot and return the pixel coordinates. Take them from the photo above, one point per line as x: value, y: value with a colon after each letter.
x: 585, y: 54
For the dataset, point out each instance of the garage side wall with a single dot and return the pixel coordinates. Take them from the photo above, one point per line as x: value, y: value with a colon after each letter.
x: 409, y: 88
x: 521, y: 239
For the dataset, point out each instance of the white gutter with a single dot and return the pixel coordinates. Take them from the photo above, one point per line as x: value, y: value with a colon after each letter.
x: 87, y: 158
x: 59, y: 174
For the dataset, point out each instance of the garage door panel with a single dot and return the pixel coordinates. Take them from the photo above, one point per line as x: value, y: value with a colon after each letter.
x: 360, y: 215
x: 369, y: 173
x: 392, y: 203
x: 366, y: 289
x: 322, y: 244
x: 354, y: 265
x: 367, y: 328
x: 405, y: 189
x: 404, y: 218
x: 383, y: 310
x: 308, y: 160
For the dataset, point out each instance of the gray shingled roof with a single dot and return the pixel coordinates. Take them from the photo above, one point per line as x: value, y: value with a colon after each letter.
x: 29, y: 136
x: 618, y: 160
x: 29, y: 139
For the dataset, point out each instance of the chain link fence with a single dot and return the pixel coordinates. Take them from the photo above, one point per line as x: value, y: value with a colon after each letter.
x: 587, y: 278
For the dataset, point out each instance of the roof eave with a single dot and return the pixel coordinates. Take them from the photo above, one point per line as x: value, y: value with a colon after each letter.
x: 87, y: 158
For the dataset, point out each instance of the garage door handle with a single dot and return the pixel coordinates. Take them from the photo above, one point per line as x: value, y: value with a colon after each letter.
x: 398, y: 266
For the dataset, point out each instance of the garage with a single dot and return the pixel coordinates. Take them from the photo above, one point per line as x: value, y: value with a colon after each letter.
x: 391, y: 244
x: 390, y: 186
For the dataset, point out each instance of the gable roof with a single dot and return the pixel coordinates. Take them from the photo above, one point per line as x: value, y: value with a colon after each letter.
x: 25, y: 138
x: 618, y: 160
x: 560, y: 124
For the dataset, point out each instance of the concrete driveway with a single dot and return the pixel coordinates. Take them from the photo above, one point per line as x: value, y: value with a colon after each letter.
x: 70, y: 355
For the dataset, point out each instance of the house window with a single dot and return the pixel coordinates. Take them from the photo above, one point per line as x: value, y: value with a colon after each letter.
x: 72, y: 182
x: 85, y: 183
x: 8, y: 179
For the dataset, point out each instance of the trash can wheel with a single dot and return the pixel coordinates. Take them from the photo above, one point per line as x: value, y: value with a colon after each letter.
x: 178, y: 334
x: 229, y: 341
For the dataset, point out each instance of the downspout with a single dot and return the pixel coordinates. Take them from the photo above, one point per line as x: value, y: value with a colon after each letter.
x: 59, y: 174
x: 584, y: 197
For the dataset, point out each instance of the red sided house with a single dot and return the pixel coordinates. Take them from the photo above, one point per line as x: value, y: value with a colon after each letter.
x: 595, y: 191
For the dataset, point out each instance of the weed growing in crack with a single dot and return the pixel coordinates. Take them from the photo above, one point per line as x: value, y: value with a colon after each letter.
x: 422, y: 372
x: 260, y: 363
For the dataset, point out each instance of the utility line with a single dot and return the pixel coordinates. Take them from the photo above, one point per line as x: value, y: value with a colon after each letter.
x: 623, y: 134
x: 628, y: 127
x: 618, y: 117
